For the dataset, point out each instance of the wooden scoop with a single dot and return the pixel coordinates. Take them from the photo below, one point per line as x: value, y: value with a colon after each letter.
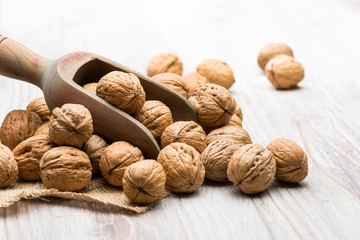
x: 62, y: 80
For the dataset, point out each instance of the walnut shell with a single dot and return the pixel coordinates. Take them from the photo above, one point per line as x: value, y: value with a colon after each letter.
x: 91, y: 87
x: 94, y: 147
x: 216, y: 156
x: 252, y: 168
x: 214, y: 104
x: 183, y: 167
x: 270, y: 51
x: 173, y: 81
x: 284, y: 72
x: 235, y: 120
x: 28, y: 154
x: 71, y: 125
x: 194, y: 80
x: 144, y: 181
x: 155, y: 116
x: 43, y: 129
x: 115, y: 159
x: 38, y: 105
x: 65, y: 168
x: 8, y: 167
x: 229, y: 132
x: 122, y: 90
x: 188, y: 132
x: 217, y: 72
x: 17, y: 126
x: 238, y: 112
x: 291, y: 160
x: 165, y: 63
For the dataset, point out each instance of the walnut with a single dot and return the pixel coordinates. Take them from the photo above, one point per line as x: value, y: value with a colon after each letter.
x: 91, y: 87
x: 65, y: 168
x: 71, y: 125
x: 188, y: 132
x: 238, y: 112
x: 217, y: 72
x: 235, y: 120
x: 272, y: 50
x: 94, y: 147
x: 17, y: 126
x: 38, y: 105
x: 173, y: 81
x: 216, y: 156
x: 252, y: 168
x: 155, y: 116
x: 144, y: 181
x: 194, y: 80
x: 214, y: 104
x: 122, y: 90
x: 43, y: 129
x: 183, y: 167
x: 165, y: 63
x: 284, y: 72
x: 229, y: 132
x: 8, y: 167
x: 115, y: 159
x: 28, y: 154
x: 291, y: 160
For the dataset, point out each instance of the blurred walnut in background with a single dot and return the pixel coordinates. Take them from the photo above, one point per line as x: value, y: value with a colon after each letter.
x: 173, y: 81
x: 38, y: 105
x: 270, y: 51
x: 217, y: 72
x: 165, y: 63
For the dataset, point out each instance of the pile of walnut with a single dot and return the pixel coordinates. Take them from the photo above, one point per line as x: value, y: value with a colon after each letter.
x: 60, y: 149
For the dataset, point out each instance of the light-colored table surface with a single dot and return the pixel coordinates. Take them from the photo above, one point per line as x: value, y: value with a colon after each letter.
x: 323, y: 115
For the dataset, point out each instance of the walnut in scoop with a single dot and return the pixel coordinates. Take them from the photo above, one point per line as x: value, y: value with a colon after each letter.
x: 229, y: 132
x: 8, y: 167
x: 65, y: 168
x: 291, y: 160
x: 115, y: 159
x: 194, y: 80
x: 217, y: 72
x: 91, y: 87
x: 94, y: 147
x: 28, y: 154
x: 165, y: 63
x: 38, y: 105
x: 17, y: 126
x: 173, y: 81
x: 252, y: 168
x: 43, y: 129
x: 183, y: 167
x: 272, y: 50
x: 144, y: 181
x: 122, y: 90
x: 214, y: 104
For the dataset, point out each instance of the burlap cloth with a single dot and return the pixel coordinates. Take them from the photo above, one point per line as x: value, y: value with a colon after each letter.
x: 97, y: 191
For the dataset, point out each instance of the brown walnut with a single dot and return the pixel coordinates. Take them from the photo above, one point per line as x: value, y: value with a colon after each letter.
x: 183, y: 167
x: 238, y: 112
x: 71, y: 125
x: 43, y: 129
x: 291, y: 160
x: 144, y: 181
x: 122, y: 90
x: 8, y: 167
x: 65, y: 168
x: 17, y: 126
x: 115, y: 159
x: 94, y: 147
x: 217, y: 72
x: 272, y: 50
x: 194, y: 80
x: 38, y: 105
x: 165, y: 63
x: 173, y: 81
x: 229, y: 132
x: 252, y: 168
x: 235, y: 120
x: 91, y: 87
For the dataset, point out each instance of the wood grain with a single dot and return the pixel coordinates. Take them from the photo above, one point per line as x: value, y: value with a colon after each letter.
x: 322, y: 115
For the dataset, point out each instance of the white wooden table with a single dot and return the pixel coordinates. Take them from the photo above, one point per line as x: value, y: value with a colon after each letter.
x: 323, y: 115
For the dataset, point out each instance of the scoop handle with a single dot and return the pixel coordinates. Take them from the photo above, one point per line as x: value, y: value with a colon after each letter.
x: 19, y: 62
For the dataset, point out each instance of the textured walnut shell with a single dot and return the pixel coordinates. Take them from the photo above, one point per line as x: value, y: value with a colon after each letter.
x: 229, y: 132
x: 284, y: 72
x: 238, y: 112
x: 122, y: 90
x: 194, y: 80
x: 214, y: 104
x: 183, y: 167
x: 8, y: 167
x: 43, y: 129
x: 17, y: 126
x: 235, y: 120
x: 188, y: 132
x: 217, y: 72
x: 173, y: 81
x: 252, y: 168
x: 94, y: 147
x: 216, y: 156
x: 65, y: 168
x: 71, y: 125
x: 155, y: 116
x: 144, y: 181
x: 28, y: 154
x: 165, y: 63
x: 272, y: 50
x: 115, y: 159
x: 38, y: 105
x: 291, y: 160
x: 91, y: 87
